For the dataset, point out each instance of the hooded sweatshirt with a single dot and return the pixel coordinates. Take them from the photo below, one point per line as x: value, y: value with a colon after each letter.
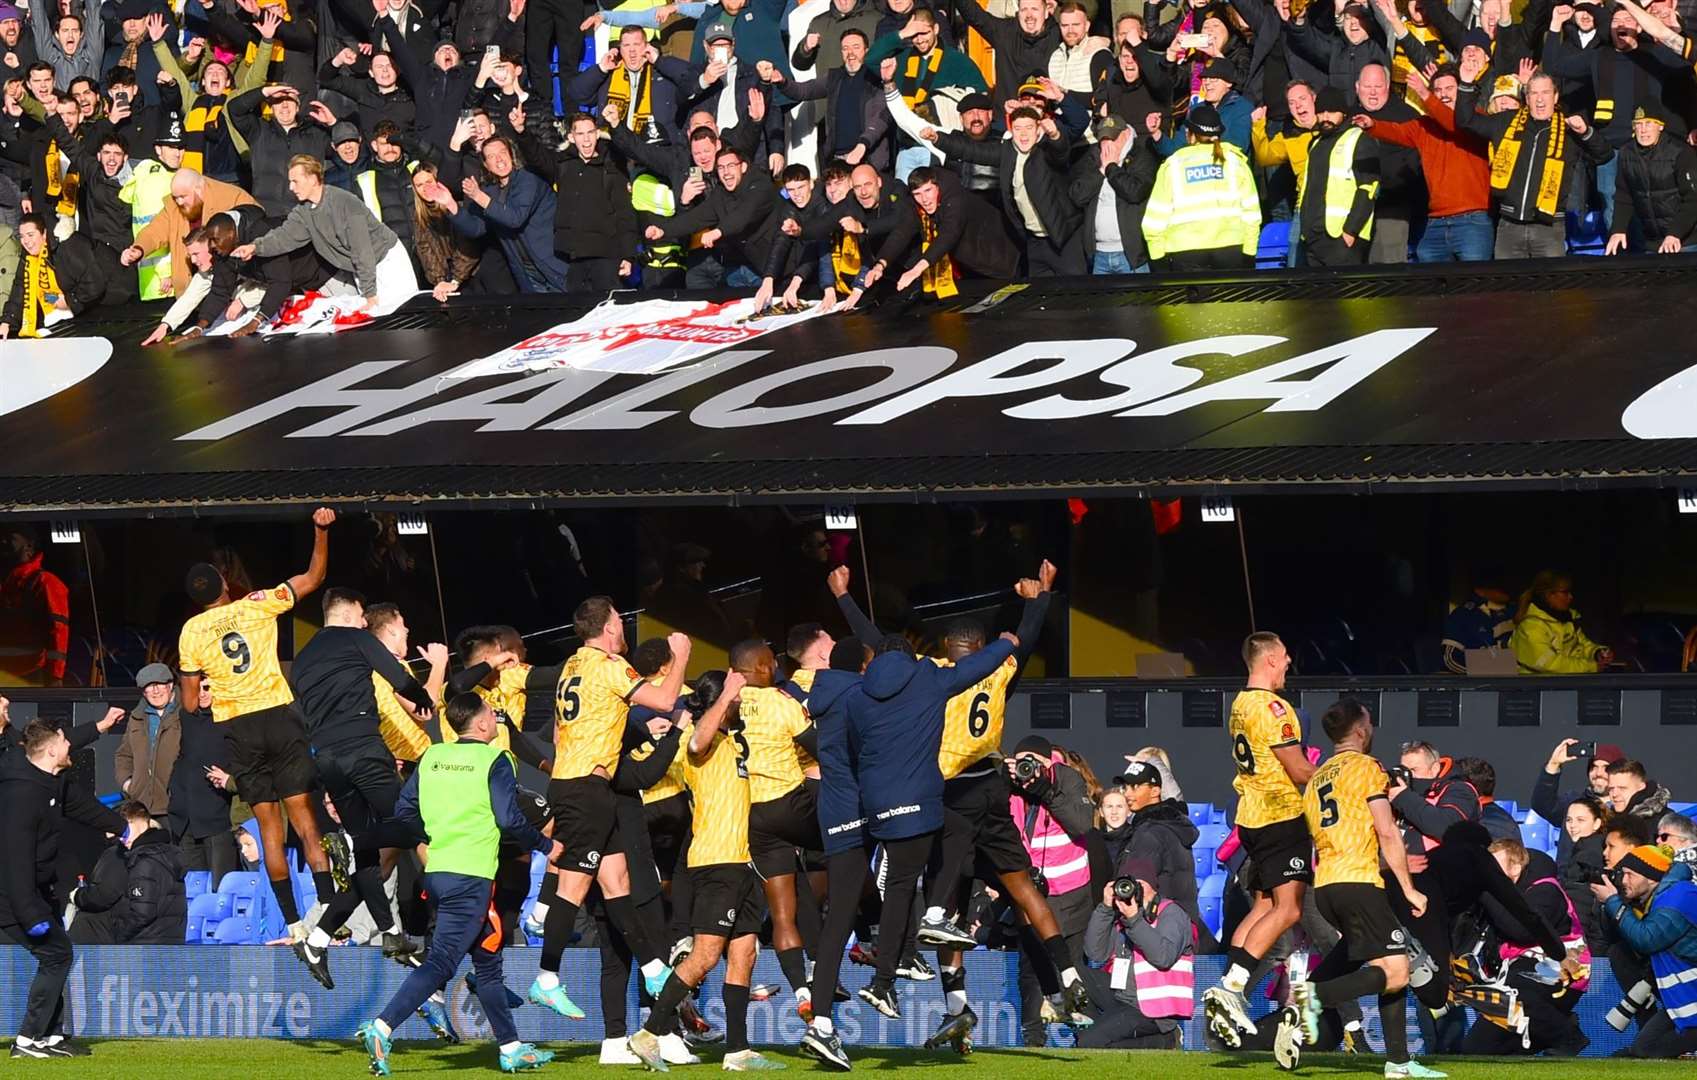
x: 841, y: 820
x: 1164, y: 834
x: 895, y: 729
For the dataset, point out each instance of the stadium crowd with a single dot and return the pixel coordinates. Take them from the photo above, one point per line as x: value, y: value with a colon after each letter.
x: 229, y: 155
x: 683, y: 823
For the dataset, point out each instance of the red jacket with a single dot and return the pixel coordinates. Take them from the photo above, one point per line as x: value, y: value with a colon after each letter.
x: 1458, y: 174
x: 35, y: 621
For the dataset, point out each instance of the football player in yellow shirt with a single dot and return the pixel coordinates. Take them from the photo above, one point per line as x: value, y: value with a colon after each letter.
x: 233, y: 642
x: 725, y: 908
x: 399, y: 721
x: 783, y: 817
x: 1272, y: 766
x: 1349, y: 814
x: 597, y: 687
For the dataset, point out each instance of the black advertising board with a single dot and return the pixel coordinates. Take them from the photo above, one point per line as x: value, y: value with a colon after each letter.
x: 1053, y: 393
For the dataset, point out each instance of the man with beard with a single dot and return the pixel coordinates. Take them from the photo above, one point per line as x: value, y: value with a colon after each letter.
x: 1336, y: 192
x: 855, y: 125
x: 739, y: 218
x: 1023, y: 43
x: 194, y: 200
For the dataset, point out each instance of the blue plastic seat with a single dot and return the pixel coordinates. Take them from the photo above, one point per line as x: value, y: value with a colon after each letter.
x: 1535, y: 832
x: 238, y: 930
x: 1212, y: 912
x: 196, y: 882
x: 1212, y: 834
x: 1273, y: 246
x: 1203, y: 860
x: 1213, y: 884
x: 1200, y: 813
x: 213, y: 908
x: 241, y: 883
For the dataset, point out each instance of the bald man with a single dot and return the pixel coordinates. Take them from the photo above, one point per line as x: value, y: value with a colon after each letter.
x: 880, y: 207
x: 194, y: 200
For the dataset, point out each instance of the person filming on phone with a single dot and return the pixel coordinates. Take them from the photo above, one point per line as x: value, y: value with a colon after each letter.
x: 1145, y: 942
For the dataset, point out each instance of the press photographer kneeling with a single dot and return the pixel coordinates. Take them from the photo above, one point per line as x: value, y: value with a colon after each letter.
x: 1148, y: 946
x: 1653, y: 902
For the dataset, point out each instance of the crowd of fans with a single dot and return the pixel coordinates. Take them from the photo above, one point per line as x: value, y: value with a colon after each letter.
x: 229, y: 154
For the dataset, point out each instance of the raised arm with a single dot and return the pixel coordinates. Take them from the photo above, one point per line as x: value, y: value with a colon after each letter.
x: 307, y: 582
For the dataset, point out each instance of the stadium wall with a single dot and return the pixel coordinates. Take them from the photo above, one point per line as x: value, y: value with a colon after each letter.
x: 258, y: 992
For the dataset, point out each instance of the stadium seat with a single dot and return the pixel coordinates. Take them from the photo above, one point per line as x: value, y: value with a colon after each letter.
x: 1685, y: 808
x: 1213, y: 834
x: 1203, y: 859
x: 238, y: 930
x: 1535, y: 832
x: 1212, y: 912
x: 1200, y: 813
x: 196, y: 882
x: 1213, y: 884
x: 1586, y: 235
x: 1274, y: 246
x: 242, y: 883
x: 206, y: 911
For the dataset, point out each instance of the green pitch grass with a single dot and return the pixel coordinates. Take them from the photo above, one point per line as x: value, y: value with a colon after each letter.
x: 239, y: 1059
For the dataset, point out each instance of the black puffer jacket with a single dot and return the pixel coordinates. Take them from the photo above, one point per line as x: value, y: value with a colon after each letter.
x: 35, y: 805
x: 142, y: 888
x: 1576, y: 869
x: 593, y: 216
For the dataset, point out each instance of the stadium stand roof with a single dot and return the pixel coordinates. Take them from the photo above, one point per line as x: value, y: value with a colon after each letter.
x: 1487, y: 376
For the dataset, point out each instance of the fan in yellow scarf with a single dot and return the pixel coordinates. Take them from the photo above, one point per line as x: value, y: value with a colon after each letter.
x: 36, y: 292
x: 630, y: 79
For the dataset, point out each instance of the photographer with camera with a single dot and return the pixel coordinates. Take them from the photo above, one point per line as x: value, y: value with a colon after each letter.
x: 1144, y: 940
x: 1652, y: 901
x: 1429, y: 795
x: 1052, y: 810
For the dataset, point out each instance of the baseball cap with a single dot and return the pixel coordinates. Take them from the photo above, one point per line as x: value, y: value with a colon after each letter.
x: 153, y: 675
x: 976, y: 100
x: 1509, y: 86
x: 1652, y: 114
x: 1204, y: 119
x: 1031, y: 87
x: 1139, y: 773
x: 344, y: 131
x: 1109, y: 127
x: 719, y: 32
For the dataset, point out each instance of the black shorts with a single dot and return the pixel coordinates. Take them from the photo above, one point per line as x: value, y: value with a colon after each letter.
x: 363, y: 785
x: 983, y: 801
x: 585, y: 822
x: 668, y: 823
x: 269, y: 756
x: 779, y: 828
x: 726, y: 900
x: 1278, y: 854
x: 1362, y: 914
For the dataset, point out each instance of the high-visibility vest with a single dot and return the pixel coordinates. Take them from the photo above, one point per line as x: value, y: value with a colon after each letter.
x: 1340, y: 183
x: 146, y: 191
x: 1200, y: 204
x: 651, y: 195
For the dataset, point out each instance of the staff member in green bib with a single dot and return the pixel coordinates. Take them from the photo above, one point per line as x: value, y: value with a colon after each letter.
x: 464, y: 796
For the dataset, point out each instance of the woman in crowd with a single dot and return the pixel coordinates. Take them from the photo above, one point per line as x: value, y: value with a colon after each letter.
x: 1582, y: 863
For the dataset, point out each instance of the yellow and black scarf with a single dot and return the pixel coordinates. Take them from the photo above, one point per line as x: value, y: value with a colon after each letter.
x: 61, y: 182
x: 619, y: 93
x: 915, y: 85
x: 1505, y: 153
x: 41, y: 293
x: 845, y: 260
x: 938, y: 280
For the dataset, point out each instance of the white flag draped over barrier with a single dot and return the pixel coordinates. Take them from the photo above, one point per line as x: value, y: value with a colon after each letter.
x: 635, y: 339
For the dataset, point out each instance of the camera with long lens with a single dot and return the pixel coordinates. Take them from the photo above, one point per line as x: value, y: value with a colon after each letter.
x: 1026, y: 768
x: 1630, y: 1007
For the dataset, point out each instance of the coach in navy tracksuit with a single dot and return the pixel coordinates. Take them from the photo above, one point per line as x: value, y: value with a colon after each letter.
x: 843, y: 828
x: 895, y: 729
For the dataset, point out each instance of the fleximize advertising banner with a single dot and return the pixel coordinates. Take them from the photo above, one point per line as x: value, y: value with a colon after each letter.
x: 1074, y: 376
